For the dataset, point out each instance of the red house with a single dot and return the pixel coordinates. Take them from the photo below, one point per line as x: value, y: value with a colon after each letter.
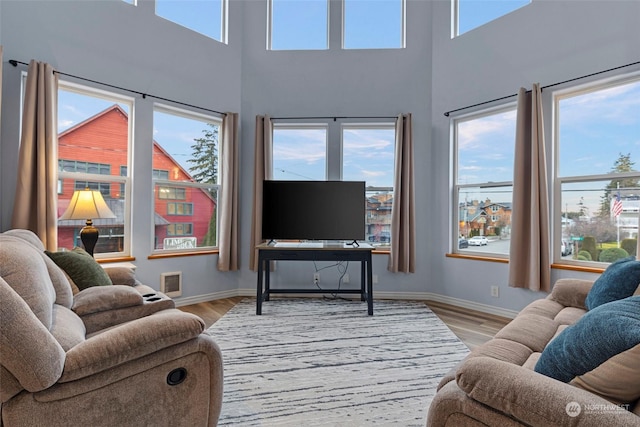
x: 99, y: 145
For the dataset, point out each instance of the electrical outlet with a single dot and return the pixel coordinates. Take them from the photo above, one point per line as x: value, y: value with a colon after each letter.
x: 316, y: 278
x: 495, y: 291
x: 375, y: 279
x: 345, y: 278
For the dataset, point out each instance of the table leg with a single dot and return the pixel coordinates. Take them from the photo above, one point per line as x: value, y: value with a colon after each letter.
x: 363, y: 280
x: 259, y: 286
x: 370, y: 284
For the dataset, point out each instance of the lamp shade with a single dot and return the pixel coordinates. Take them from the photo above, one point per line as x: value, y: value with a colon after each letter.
x: 87, y: 204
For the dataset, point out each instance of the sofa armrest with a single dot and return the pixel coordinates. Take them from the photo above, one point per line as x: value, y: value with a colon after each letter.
x: 130, y: 341
x: 103, y: 298
x: 535, y: 399
x: 571, y: 292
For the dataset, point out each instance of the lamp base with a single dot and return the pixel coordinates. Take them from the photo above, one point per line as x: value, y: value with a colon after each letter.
x: 89, y: 236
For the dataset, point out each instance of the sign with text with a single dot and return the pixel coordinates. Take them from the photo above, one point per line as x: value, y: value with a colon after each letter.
x: 180, y: 243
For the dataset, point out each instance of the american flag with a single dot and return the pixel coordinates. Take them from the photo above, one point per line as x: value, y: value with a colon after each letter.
x: 616, y: 206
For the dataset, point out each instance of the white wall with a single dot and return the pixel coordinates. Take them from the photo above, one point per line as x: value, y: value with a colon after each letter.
x: 128, y: 46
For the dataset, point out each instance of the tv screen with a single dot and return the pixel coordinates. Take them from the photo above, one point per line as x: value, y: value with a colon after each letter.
x: 313, y: 210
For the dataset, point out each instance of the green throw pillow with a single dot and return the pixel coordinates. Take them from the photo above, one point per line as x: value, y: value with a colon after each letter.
x: 81, y: 268
x: 600, y: 334
x: 618, y: 281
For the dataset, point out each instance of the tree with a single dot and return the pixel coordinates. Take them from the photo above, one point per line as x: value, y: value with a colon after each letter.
x: 621, y: 165
x: 204, y: 160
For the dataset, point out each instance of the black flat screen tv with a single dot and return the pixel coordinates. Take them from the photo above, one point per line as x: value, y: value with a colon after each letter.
x: 313, y: 210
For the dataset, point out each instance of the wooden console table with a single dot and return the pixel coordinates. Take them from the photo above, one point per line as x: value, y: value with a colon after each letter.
x: 314, y: 252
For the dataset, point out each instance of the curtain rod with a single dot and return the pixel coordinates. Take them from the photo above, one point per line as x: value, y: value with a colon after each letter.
x: 144, y: 95
x: 543, y: 87
x: 333, y: 117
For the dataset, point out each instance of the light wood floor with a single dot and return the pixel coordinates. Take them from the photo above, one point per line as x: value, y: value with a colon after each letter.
x: 472, y: 327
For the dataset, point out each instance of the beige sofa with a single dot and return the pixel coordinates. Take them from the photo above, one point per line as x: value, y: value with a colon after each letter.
x: 105, y: 355
x: 496, y: 385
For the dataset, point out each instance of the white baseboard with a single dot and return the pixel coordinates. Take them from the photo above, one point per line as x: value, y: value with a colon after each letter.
x: 411, y: 296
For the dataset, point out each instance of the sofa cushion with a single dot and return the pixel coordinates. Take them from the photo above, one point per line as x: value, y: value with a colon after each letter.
x: 121, y: 275
x: 600, y: 334
x: 22, y: 267
x: 81, y: 267
x: 617, y: 379
x: 619, y: 280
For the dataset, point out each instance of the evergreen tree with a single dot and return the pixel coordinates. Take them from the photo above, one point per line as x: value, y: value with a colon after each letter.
x: 204, y: 168
x: 621, y: 165
x: 204, y: 158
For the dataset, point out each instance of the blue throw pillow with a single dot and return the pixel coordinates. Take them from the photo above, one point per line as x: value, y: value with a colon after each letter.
x: 618, y: 281
x: 600, y: 334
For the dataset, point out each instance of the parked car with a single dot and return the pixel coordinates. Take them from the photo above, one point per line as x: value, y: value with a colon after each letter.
x: 463, y: 243
x: 478, y: 241
x: 566, y: 248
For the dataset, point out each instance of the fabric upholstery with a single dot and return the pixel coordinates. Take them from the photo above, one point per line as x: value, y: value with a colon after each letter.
x: 23, y: 269
x: 27, y: 349
x: 121, y: 275
x: 106, y: 367
x: 600, y: 334
x: 496, y: 385
x: 619, y: 280
x: 81, y: 267
x: 617, y: 379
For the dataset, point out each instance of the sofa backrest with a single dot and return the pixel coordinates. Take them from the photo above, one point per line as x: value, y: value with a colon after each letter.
x: 30, y: 357
x: 61, y: 284
x: 25, y: 271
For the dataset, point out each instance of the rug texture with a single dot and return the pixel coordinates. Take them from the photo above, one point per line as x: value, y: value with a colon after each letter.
x: 318, y: 362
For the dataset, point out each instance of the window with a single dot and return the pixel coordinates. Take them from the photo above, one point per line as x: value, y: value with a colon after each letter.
x: 597, y: 181
x: 373, y: 24
x: 298, y: 24
x: 186, y: 179
x: 368, y: 155
x: 93, y: 143
x: 470, y: 14
x: 483, y: 183
x: 208, y: 17
x: 360, y: 152
x: 300, y: 152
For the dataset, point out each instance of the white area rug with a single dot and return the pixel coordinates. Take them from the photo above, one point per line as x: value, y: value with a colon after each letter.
x: 317, y: 362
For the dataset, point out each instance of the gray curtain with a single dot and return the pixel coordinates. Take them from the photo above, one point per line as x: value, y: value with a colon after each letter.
x: 262, y: 169
x: 228, y: 200
x: 403, y: 218
x: 529, y: 265
x: 35, y: 203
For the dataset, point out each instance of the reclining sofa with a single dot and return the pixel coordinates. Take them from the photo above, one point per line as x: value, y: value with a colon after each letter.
x: 533, y: 373
x: 110, y: 355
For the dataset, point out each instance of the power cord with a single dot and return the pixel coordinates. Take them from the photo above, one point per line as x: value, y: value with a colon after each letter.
x: 342, y: 267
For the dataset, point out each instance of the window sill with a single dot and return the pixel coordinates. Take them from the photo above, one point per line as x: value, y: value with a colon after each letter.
x: 183, y: 254
x: 584, y: 269
x: 112, y: 260
x: 478, y: 258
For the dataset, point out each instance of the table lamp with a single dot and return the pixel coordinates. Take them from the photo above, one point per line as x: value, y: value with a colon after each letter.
x: 88, y: 204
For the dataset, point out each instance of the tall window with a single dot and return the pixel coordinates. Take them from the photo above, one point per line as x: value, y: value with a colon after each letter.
x: 93, y: 151
x: 484, y: 153
x: 298, y: 24
x: 597, y: 181
x: 300, y: 152
x: 359, y: 152
x: 208, y: 17
x: 186, y: 179
x: 373, y: 24
x: 368, y: 155
x: 470, y: 14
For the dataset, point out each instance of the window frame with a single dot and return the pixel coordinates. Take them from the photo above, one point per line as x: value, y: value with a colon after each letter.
x: 269, y: 35
x: 157, y: 182
x: 457, y: 187
x: 558, y: 180
x: 123, y: 181
x: 224, y: 22
x: 403, y: 28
